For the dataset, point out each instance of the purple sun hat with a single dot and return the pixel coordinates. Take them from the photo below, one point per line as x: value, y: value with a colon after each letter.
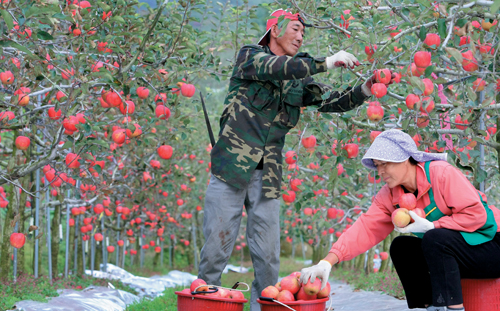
x: 396, y: 146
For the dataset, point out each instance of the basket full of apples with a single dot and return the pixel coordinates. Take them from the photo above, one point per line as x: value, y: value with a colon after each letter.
x: 291, y: 294
x: 200, y: 296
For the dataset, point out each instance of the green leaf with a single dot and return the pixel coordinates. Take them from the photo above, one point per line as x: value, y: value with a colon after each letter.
x: 472, y: 95
x: 481, y: 174
x: 35, y: 10
x: 455, y: 54
x: 8, y: 19
x: 495, y: 6
x: 461, y: 22
x: 429, y: 70
x: 44, y: 35
x: 442, y: 27
x: 16, y: 46
x: 422, y: 33
x: 418, y: 83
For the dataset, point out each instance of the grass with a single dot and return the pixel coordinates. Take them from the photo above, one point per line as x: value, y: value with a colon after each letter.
x: 387, y: 282
x: 29, y: 288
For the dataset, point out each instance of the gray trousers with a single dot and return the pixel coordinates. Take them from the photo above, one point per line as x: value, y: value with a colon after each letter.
x: 221, y: 223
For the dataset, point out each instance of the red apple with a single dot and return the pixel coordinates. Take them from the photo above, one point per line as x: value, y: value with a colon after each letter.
x: 411, y: 100
x: 6, y: 77
x: 379, y: 90
x: 291, y: 284
x: 420, y: 212
x: 375, y: 112
x: 384, y: 255
x: 312, y: 288
x: 469, y: 62
x: 373, y: 135
x: 427, y: 104
x: 270, y: 292
x: 325, y: 292
x: 17, y: 240
x: 196, y: 283
x: 408, y: 201
x: 22, y: 142
x: 383, y: 76
x: 188, y: 90
x: 478, y: 85
x: 285, y: 296
x: 142, y: 92
x: 53, y: 114
x: 309, y: 142
x: 235, y: 294
x: 432, y: 40
x: 422, y: 59
x: 119, y: 136
x: 110, y: 248
x: 120, y: 243
x: 165, y: 152
x: 352, y: 150
x: 429, y: 86
x: 301, y: 295
x: 331, y: 213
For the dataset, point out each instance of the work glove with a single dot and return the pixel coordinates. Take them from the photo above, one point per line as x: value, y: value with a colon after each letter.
x: 420, y: 225
x: 321, y: 270
x: 367, y: 86
x: 341, y: 59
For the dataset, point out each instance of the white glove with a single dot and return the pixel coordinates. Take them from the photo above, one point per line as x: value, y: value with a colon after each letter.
x: 321, y: 270
x: 341, y: 59
x: 420, y: 225
x: 367, y: 85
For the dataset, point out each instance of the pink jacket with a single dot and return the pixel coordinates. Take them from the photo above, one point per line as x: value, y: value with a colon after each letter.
x: 455, y: 196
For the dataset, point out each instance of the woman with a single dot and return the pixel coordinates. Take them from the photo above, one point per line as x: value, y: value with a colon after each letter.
x: 458, y: 238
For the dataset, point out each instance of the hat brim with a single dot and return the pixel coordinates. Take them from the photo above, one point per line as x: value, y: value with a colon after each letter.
x: 265, y: 39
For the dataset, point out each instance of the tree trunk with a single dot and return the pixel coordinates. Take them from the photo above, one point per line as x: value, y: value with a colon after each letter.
x: 369, y: 262
x: 54, y: 236
x: 385, y: 248
x: 25, y: 183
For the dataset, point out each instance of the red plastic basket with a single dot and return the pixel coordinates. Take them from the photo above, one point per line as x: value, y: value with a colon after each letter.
x: 481, y: 294
x: 188, y: 302
x: 301, y: 305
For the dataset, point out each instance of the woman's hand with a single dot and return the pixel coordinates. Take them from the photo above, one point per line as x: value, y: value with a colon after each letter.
x: 420, y: 225
x: 321, y: 270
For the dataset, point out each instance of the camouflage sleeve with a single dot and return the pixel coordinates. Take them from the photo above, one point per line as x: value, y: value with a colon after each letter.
x: 254, y: 63
x: 336, y: 102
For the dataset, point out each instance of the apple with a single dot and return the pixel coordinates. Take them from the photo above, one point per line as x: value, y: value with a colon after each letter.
x: 325, y: 292
x: 60, y: 96
x: 401, y: 217
x: 469, y: 62
x: 162, y: 112
x: 375, y: 112
x: 142, y: 92
x: 331, y: 213
x: 352, y: 150
x: 478, y: 85
x: 6, y: 77
x: 285, y: 296
x: 309, y: 142
x: 111, y: 249
x: 72, y: 160
x: 301, y: 295
x: 423, y: 120
x: 223, y: 293
x: 22, y: 142
x: 415, y: 71
x: 270, y: 292
x: 308, y: 212
x: 411, y: 100
x: 289, y: 197
x: 427, y: 104
x: 17, y: 240
x: 112, y: 98
x: 235, y: 294
x: 487, y: 25
x: 127, y: 108
x: 119, y: 136
x: 290, y: 283
x: 53, y: 114
x: 187, y: 90
x: 278, y: 286
x: 429, y: 86
x: 120, y: 243
x: 186, y: 291
x: 98, y: 237
x: 312, y: 288
x: 98, y: 208
x: 420, y: 212
x: 165, y: 152
x: 373, y: 135
x: 383, y: 76
x: 196, y: 283
x: 291, y: 157
x: 384, y: 255
x: 379, y: 90
x: 458, y: 119
x: 370, y: 50
x: 432, y: 39
x: 408, y: 201
x: 296, y: 274
x: 422, y: 59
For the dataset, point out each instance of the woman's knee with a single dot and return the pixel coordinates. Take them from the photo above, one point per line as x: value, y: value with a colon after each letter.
x: 436, y: 238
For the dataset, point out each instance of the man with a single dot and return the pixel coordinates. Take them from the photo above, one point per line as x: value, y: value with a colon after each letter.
x: 269, y: 84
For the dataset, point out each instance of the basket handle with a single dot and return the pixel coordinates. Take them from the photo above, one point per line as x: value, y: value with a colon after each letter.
x: 209, y: 291
x: 275, y: 301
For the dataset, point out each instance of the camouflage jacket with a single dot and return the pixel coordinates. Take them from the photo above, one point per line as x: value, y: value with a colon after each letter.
x: 263, y: 103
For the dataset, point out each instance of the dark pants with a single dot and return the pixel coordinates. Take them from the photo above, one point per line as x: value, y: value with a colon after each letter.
x: 430, y: 269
